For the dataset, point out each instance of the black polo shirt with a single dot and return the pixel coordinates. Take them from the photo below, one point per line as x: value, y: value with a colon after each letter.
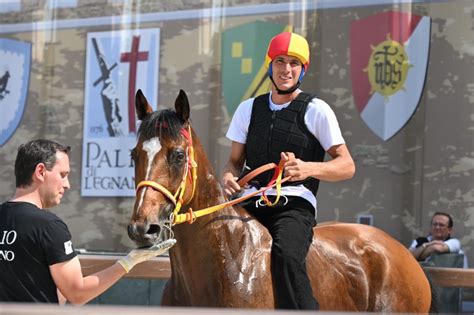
x: 31, y: 239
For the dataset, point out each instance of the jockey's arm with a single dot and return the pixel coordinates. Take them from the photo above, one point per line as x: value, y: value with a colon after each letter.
x: 340, y: 167
x: 233, y: 168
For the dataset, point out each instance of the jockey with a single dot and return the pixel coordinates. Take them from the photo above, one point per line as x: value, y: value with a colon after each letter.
x: 297, y: 128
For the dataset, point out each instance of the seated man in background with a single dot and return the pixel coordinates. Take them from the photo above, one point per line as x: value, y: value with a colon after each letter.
x: 439, y: 240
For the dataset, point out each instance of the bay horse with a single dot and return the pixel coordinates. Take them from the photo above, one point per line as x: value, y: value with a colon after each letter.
x: 223, y: 259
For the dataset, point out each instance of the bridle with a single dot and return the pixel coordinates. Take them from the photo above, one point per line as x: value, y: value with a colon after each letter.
x: 190, y: 172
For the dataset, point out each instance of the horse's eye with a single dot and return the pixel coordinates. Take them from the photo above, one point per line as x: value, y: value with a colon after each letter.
x: 178, y: 157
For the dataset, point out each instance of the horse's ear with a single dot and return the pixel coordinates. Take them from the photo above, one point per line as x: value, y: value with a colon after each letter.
x: 181, y: 105
x: 141, y: 105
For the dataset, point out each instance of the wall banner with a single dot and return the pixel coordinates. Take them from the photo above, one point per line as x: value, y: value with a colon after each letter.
x: 117, y: 64
x: 389, y: 60
x: 15, y: 63
x: 244, y: 74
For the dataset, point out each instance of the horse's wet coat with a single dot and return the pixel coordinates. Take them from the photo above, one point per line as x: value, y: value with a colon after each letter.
x: 223, y: 259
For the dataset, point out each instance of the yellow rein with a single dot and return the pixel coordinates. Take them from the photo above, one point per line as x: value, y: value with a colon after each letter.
x: 191, y: 216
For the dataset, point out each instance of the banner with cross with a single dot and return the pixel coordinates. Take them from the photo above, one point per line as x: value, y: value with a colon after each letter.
x: 117, y: 64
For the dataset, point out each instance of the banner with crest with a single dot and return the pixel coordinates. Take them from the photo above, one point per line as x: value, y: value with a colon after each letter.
x: 389, y: 55
x: 244, y: 74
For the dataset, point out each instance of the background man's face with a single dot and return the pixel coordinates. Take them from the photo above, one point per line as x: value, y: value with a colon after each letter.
x: 440, y: 227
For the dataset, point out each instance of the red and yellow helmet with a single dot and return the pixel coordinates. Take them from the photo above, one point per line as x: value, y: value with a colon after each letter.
x: 290, y: 44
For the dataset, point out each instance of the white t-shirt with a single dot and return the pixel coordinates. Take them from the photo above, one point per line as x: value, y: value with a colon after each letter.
x: 320, y: 121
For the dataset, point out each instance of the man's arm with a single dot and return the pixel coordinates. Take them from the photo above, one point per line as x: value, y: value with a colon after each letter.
x: 418, y: 251
x: 233, y: 168
x: 454, y: 245
x: 339, y: 168
x: 427, y: 249
x: 432, y: 247
x: 78, y: 289
x: 61, y: 299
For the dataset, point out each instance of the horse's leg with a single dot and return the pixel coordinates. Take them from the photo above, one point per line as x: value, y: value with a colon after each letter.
x: 406, y: 288
x: 339, y: 282
x: 348, y: 272
x: 167, y: 297
x: 395, y: 280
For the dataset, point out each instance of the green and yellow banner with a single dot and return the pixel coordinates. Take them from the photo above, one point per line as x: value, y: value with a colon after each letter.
x: 244, y: 73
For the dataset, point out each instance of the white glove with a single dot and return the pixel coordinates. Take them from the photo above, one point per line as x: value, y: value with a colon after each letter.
x: 137, y: 256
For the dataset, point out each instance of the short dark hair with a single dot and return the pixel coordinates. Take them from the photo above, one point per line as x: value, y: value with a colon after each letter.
x: 33, y: 153
x: 450, y: 223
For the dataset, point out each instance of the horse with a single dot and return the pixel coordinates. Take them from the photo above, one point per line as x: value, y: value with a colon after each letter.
x: 222, y: 259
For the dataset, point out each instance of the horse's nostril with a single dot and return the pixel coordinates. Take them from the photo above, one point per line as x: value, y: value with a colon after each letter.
x: 154, y: 229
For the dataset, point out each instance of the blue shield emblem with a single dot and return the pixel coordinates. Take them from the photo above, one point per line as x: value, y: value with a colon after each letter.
x: 15, y: 61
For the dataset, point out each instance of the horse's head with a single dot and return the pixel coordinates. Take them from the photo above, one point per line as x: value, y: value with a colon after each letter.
x: 163, y: 167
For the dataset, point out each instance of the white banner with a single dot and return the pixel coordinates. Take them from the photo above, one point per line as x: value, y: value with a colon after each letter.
x: 117, y: 64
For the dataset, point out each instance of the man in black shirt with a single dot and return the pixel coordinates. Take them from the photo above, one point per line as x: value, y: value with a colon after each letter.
x: 37, y: 259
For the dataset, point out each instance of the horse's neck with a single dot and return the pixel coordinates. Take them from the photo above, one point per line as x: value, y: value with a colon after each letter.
x: 208, y: 190
x: 201, y: 245
x: 208, y: 193
x: 218, y: 249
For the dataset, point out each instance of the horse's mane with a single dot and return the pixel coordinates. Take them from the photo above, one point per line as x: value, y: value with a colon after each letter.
x: 164, y: 124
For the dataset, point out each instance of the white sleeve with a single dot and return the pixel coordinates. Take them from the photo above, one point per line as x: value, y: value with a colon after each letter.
x: 322, y: 123
x: 454, y: 245
x: 239, y: 125
x: 413, y: 244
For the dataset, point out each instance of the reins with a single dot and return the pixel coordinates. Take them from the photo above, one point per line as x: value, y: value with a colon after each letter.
x: 191, y: 216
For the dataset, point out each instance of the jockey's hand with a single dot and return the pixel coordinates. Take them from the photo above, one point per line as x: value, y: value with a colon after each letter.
x: 229, y: 181
x: 295, y: 168
x: 137, y: 256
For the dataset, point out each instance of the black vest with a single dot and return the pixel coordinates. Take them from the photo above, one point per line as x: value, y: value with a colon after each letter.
x: 272, y: 132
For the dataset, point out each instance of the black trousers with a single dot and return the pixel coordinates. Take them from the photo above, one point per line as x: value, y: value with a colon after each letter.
x: 290, y: 224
